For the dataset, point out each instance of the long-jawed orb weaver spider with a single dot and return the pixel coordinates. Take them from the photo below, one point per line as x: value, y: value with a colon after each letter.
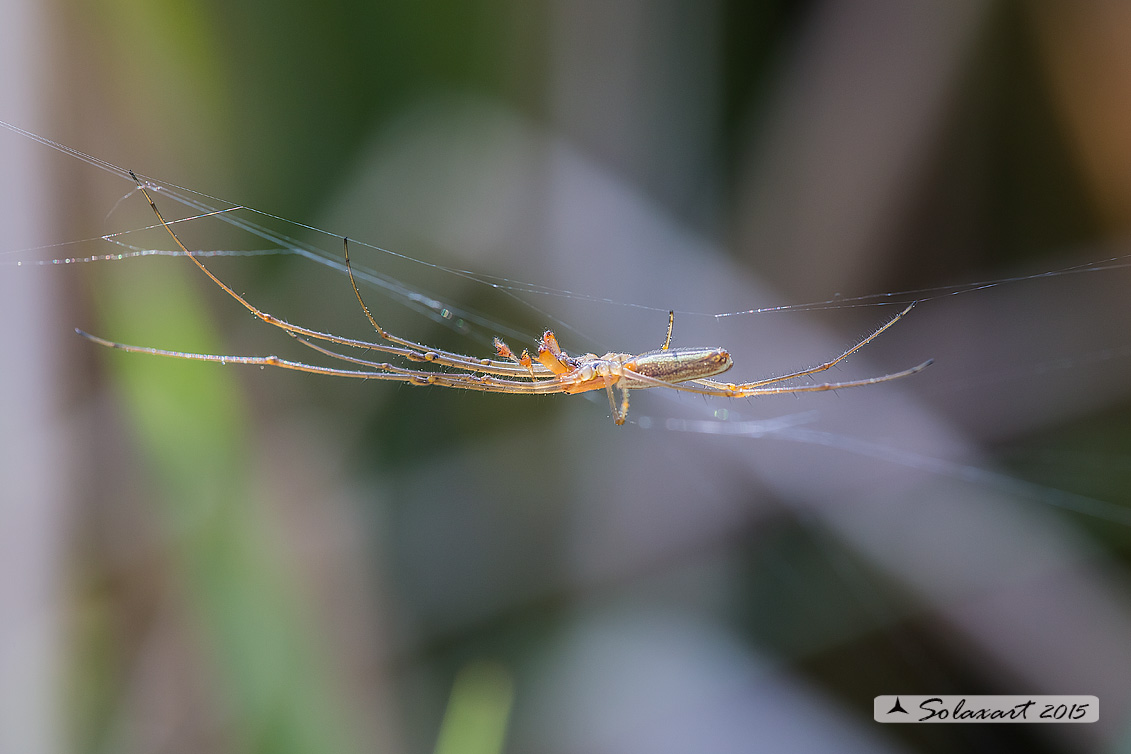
x: 551, y: 371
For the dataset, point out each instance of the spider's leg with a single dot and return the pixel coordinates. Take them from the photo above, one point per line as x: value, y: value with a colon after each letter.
x: 502, y: 348
x: 612, y: 401
x: 621, y: 411
x: 407, y: 349
x: 385, y: 371
x: 731, y: 390
x: 816, y: 369
x: 349, y: 271
x: 635, y: 381
x: 668, y: 338
x: 262, y: 315
x: 376, y: 370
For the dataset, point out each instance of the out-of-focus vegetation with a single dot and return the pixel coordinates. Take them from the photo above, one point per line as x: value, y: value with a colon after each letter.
x: 273, y: 562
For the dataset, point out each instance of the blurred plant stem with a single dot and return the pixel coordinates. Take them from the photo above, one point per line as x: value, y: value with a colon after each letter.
x: 191, y: 422
x: 478, y: 710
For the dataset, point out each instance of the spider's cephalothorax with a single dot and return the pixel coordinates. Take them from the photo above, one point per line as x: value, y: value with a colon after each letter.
x: 624, y: 371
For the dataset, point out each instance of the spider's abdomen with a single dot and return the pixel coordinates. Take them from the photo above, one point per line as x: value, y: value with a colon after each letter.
x: 681, y: 364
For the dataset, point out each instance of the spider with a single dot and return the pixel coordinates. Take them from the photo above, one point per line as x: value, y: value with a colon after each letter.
x: 552, y: 370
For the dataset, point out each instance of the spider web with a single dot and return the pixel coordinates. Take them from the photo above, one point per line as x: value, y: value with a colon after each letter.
x: 278, y: 236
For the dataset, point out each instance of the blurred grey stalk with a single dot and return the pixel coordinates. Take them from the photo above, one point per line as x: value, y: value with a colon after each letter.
x: 35, y: 458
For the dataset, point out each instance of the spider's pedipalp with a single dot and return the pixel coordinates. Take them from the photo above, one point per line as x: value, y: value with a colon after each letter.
x: 551, y: 355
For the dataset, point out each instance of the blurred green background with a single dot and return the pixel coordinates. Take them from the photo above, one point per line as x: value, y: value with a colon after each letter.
x: 242, y: 560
